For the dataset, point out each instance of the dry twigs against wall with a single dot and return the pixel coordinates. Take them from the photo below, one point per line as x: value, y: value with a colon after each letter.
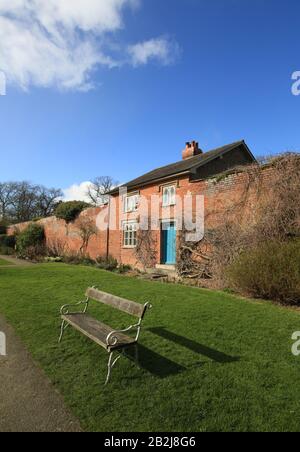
x: 266, y: 208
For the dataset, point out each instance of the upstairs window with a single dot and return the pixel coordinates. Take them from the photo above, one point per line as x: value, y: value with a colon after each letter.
x: 169, y: 196
x: 131, y: 203
x: 130, y: 234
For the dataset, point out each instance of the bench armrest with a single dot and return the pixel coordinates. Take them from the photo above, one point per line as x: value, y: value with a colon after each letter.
x: 64, y: 310
x: 112, y: 338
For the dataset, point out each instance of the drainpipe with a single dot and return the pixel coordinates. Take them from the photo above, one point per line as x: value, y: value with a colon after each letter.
x: 108, y: 230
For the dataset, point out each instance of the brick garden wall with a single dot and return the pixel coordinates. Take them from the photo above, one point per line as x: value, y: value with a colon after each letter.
x: 66, y: 237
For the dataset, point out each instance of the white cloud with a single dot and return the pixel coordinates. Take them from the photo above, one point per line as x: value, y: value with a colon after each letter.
x: 160, y: 49
x: 77, y: 192
x: 60, y: 42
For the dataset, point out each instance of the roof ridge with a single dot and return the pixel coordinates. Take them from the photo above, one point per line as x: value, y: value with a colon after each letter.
x: 235, y: 143
x: 181, y: 166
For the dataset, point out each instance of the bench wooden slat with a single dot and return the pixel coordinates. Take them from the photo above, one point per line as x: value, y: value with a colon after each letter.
x: 96, y: 331
x: 130, y: 307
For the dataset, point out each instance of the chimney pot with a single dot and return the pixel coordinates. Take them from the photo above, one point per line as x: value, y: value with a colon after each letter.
x: 191, y: 150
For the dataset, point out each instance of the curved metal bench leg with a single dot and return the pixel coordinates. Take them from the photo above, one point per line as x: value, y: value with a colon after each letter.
x: 110, y: 365
x: 64, y: 326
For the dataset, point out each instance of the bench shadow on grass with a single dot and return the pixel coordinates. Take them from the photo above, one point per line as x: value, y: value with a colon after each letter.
x: 200, y: 349
x: 163, y: 367
x: 153, y: 362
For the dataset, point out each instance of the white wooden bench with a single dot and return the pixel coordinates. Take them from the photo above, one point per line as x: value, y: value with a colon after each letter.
x: 113, y: 341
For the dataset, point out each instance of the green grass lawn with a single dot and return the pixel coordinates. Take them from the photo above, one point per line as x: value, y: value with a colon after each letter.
x: 210, y: 361
x: 4, y: 262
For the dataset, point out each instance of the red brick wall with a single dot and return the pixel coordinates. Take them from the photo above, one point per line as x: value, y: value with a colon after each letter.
x: 218, y: 194
x: 65, y: 236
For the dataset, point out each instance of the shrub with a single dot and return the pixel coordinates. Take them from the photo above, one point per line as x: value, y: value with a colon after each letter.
x: 107, y: 263
x: 53, y: 259
x: 33, y: 253
x: 8, y: 241
x: 7, y: 244
x: 69, y: 211
x: 6, y: 251
x: 30, y: 242
x: 77, y: 259
x: 124, y: 268
x: 57, y: 248
x: 271, y: 271
x: 3, y: 227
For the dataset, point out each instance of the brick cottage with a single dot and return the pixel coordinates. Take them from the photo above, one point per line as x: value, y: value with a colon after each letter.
x: 197, y: 173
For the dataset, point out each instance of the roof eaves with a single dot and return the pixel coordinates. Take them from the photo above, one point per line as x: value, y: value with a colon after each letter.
x: 248, y: 150
x: 193, y: 167
x: 149, y: 182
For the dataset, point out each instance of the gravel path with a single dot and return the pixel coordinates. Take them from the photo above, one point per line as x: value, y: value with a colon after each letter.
x: 28, y: 401
x: 15, y: 261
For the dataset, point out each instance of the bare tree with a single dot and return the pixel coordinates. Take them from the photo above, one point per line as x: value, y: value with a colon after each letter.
x: 146, y: 246
x: 22, y: 201
x: 47, y: 201
x: 87, y: 228
x: 99, y: 189
x: 7, y: 193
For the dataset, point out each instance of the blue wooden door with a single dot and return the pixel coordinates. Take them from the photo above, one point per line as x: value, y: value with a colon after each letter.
x: 169, y: 244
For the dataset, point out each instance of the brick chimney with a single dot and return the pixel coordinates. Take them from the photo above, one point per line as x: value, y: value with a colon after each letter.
x: 191, y: 150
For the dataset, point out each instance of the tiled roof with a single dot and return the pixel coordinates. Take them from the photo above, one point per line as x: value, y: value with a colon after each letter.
x: 182, y: 166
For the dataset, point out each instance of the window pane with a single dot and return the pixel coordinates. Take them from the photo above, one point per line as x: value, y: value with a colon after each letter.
x: 165, y: 197
x: 131, y: 203
x: 130, y: 234
x: 169, y: 196
x: 172, y: 195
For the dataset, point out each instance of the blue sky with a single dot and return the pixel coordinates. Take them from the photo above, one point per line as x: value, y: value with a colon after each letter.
x: 215, y: 71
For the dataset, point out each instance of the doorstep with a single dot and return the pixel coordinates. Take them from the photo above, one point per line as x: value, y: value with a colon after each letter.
x: 166, y: 267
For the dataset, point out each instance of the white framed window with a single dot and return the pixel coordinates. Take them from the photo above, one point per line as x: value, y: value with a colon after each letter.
x: 169, y: 196
x: 131, y: 203
x: 130, y: 234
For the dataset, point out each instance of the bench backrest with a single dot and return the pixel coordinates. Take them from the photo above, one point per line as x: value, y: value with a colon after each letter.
x: 130, y: 307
